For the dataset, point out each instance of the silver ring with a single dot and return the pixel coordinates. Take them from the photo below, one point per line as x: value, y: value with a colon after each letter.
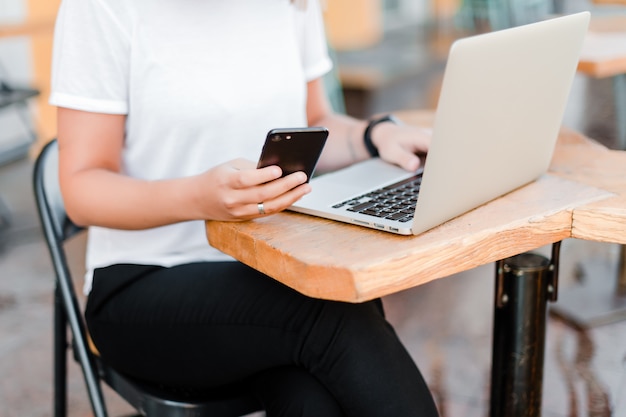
x: 260, y: 207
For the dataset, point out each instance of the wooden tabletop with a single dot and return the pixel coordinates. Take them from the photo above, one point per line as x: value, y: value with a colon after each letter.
x: 327, y: 259
x: 587, y: 162
x: 611, y: 2
x: 604, y: 50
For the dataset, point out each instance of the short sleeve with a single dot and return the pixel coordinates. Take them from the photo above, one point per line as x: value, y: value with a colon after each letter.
x: 312, y: 37
x: 91, y: 57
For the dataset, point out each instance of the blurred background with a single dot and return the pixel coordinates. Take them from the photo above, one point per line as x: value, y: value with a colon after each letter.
x: 389, y: 53
x: 389, y: 56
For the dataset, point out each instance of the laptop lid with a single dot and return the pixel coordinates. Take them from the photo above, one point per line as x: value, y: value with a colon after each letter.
x: 499, y: 113
x: 500, y: 109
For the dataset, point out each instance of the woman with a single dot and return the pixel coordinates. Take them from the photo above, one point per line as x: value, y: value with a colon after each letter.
x: 162, y: 110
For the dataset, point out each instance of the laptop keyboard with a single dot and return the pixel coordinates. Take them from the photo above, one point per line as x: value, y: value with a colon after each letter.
x: 394, y: 202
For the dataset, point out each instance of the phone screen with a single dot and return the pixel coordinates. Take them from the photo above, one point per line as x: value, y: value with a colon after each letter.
x: 294, y: 150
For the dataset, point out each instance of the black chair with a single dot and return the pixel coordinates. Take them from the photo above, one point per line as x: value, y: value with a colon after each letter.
x: 147, y: 399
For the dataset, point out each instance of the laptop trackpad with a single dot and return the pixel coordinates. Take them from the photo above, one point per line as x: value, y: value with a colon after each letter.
x: 352, y: 181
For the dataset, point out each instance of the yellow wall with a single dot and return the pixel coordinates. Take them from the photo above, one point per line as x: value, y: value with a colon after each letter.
x: 353, y: 24
x: 41, y: 14
x: 39, y: 27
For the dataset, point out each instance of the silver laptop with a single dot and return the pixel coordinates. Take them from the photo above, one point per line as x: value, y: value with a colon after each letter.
x: 498, y: 117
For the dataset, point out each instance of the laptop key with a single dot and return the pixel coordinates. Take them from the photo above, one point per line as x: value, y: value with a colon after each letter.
x: 362, y: 206
x: 395, y: 202
x: 372, y: 213
x: 396, y: 216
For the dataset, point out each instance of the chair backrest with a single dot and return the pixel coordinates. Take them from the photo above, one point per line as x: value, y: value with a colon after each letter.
x: 48, y: 195
x: 148, y: 400
x: 57, y: 228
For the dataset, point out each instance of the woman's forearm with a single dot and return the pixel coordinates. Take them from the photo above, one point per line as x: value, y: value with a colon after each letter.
x: 97, y: 197
x: 231, y: 191
x: 345, y: 142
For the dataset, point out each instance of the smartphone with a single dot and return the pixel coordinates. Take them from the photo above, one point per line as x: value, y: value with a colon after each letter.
x: 294, y: 150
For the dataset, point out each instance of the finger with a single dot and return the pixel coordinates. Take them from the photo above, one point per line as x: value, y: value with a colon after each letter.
x: 416, y: 141
x: 409, y: 161
x: 271, y: 190
x: 279, y: 203
x: 400, y: 156
x: 246, y: 178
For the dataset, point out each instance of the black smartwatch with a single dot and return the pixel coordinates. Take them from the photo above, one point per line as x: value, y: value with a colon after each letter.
x: 367, y: 135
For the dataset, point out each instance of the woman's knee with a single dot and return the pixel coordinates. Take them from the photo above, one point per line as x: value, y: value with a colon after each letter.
x: 355, y: 319
x: 292, y: 391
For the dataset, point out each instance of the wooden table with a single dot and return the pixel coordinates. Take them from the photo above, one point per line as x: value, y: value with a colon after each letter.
x: 601, y: 298
x: 579, y: 197
x: 611, y: 2
x: 359, y: 264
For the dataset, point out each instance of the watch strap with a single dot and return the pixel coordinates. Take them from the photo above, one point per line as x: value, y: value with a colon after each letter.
x: 367, y: 135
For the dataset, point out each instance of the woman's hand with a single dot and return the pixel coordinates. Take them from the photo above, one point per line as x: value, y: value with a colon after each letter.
x: 401, y: 144
x: 397, y: 144
x: 97, y: 193
x: 236, y: 190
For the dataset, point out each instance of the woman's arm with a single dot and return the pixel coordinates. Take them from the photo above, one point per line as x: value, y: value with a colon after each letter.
x: 396, y: 144
x: 97, y: 193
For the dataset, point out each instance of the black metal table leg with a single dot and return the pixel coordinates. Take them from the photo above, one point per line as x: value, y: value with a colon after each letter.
x: 524, y: 285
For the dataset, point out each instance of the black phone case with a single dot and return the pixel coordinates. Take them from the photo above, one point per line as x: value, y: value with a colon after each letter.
x: 294, y: 150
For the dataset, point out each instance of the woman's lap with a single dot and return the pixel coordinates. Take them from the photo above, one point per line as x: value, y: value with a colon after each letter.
x: 208, y: 324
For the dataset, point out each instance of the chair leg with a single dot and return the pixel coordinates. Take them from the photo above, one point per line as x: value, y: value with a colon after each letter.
x: 60, y: 357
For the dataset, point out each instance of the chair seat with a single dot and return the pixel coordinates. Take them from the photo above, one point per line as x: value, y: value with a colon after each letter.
x: 153, y: 400
x: 158, y: 401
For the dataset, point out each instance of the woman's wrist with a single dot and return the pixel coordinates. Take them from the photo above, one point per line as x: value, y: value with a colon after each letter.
x: 368, y: 133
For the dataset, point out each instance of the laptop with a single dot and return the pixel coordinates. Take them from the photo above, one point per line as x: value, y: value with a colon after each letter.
x: 497, y: 120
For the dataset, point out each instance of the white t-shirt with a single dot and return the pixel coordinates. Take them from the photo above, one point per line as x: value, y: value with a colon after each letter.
x: 201, y: 82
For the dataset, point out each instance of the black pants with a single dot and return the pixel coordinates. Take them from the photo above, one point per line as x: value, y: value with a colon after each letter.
x: 204, y: 325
